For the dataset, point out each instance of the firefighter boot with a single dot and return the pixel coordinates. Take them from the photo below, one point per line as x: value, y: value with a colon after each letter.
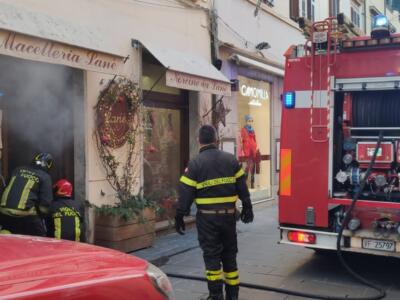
x: 232, y: 292
x: 214, y: 297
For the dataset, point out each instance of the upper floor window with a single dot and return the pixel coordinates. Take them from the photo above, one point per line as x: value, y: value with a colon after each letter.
x: 302, y: 8
x: 334, y: 8
x: 355, y: 15
x: 312, y: 16
x: 393, y: 5
x: 268, y: 2
x: 294, y: 10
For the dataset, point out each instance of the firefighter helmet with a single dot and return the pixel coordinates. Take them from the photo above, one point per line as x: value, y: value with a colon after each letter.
x: 43, y: 160
x: 63, y: 188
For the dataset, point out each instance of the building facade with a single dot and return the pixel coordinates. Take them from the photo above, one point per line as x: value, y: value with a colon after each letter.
x: 252, y: 52
x: 358, y: 13
x: 58, y: 56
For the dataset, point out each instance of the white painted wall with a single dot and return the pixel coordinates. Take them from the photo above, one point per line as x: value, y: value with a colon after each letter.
x: 238, y: 26
x: 321, y: 10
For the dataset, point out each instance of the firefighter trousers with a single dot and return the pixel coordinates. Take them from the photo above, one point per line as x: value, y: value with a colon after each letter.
x: 217, y: 239
x: 30, y: 225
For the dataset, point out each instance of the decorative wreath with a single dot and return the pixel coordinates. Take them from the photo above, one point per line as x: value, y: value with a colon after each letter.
x: 118, y: 125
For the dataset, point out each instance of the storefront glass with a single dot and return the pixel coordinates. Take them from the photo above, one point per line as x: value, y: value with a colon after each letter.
x: 162, y: 157
x: 253, y: 136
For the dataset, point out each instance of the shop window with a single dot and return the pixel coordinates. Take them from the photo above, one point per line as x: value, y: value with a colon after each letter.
x: 253, y: 136
x: 165, y: 149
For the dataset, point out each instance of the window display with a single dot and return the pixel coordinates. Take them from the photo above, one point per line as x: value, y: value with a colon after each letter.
x: 250, y: 149
x: 253, y: 138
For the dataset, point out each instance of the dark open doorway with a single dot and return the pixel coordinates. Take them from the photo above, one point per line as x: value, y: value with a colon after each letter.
x: 38, y: 115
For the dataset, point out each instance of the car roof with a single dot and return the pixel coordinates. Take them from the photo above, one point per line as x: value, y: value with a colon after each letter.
x: 28, y: 258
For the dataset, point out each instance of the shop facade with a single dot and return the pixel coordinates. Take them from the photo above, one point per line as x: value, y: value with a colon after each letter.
x: 251, y: 116
x: 253, y: 57
x: 81, y: 48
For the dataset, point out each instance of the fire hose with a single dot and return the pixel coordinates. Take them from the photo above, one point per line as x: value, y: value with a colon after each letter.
x: 381, y: 292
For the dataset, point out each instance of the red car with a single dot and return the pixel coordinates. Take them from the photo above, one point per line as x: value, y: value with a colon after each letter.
x: 43, y: 268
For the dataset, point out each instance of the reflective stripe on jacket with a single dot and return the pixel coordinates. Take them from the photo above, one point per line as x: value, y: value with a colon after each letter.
x: 213, y: 180
x: 65, y: 219
x: 29, y: 189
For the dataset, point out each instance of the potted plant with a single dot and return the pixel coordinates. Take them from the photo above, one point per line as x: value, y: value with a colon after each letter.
x: 128, y: 224
x: 166, y: 204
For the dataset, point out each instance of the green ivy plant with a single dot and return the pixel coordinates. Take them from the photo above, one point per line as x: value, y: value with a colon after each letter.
x: 129, y: 208
x: 121, y: 174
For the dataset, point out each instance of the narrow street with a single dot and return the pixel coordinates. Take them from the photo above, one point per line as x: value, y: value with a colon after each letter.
x: 263, y: 261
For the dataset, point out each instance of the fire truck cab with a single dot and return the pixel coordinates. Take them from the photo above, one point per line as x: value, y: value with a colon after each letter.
x: 339, y: 94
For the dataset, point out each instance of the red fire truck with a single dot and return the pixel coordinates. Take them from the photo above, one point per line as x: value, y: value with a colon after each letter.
x: 339, y: 95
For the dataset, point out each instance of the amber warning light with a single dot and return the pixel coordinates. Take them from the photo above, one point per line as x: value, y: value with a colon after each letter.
x: 301, y: 237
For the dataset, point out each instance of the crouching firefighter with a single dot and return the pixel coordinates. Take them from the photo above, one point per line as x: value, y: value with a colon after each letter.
x: 27, y: 197
x: 65, y: 218
x: 215, y: 180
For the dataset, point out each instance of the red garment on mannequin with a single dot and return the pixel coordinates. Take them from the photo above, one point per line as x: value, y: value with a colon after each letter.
x: 249, y: 143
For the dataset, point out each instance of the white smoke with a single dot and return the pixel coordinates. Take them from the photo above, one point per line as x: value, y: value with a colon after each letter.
x: 37, y: 108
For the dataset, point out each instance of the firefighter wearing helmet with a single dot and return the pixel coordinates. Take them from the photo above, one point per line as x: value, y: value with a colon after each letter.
x: 65, y: 218
x: 215, y: 180
x: 27, y: 197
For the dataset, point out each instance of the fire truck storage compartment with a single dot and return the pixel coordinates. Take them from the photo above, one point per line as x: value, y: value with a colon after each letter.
x: 359, y: 118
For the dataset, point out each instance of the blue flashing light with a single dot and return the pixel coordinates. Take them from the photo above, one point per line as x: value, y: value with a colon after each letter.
x: 380, y: 27
x: 289, y: 99
x: 380, y: 21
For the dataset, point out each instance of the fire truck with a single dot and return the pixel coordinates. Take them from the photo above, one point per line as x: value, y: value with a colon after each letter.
x: 341, y: 94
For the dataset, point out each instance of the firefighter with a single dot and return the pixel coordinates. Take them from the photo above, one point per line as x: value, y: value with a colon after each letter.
x: 27, y: 197
x: 65, y: 218
x: 214, y: 180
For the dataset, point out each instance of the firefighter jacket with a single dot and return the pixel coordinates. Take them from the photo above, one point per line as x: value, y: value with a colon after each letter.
x: 213, y: 180
x: 65, y: 219
x: 28, y: 193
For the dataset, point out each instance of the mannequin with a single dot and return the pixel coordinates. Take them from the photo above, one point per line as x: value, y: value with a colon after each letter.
x: 249, y: 147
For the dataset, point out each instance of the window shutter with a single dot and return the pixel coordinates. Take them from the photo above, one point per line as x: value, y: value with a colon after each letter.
x: 294, y: 9
x: 309, y: 10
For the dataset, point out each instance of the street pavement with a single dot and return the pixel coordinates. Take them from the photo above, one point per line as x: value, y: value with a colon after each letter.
x: 263, y: 261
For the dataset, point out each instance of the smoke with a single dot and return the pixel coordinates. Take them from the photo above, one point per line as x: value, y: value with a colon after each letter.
x: 38, y: 114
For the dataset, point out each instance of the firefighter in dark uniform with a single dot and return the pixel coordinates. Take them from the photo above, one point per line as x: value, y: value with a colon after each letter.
x: 27, y: 197
x: 214, y: 180
x: 65, y: 218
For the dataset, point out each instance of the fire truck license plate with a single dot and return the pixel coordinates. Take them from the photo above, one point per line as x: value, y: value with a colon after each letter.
x: 381, y: 245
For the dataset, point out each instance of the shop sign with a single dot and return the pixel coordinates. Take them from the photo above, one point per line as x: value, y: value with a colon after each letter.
x: 256, y: 94
x: 196, y: 83
x: 114, y: 118
x: 38, y: 49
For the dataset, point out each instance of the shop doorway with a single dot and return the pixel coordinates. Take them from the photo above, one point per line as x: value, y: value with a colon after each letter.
x: 166, y: 149
x: 38, y: 101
